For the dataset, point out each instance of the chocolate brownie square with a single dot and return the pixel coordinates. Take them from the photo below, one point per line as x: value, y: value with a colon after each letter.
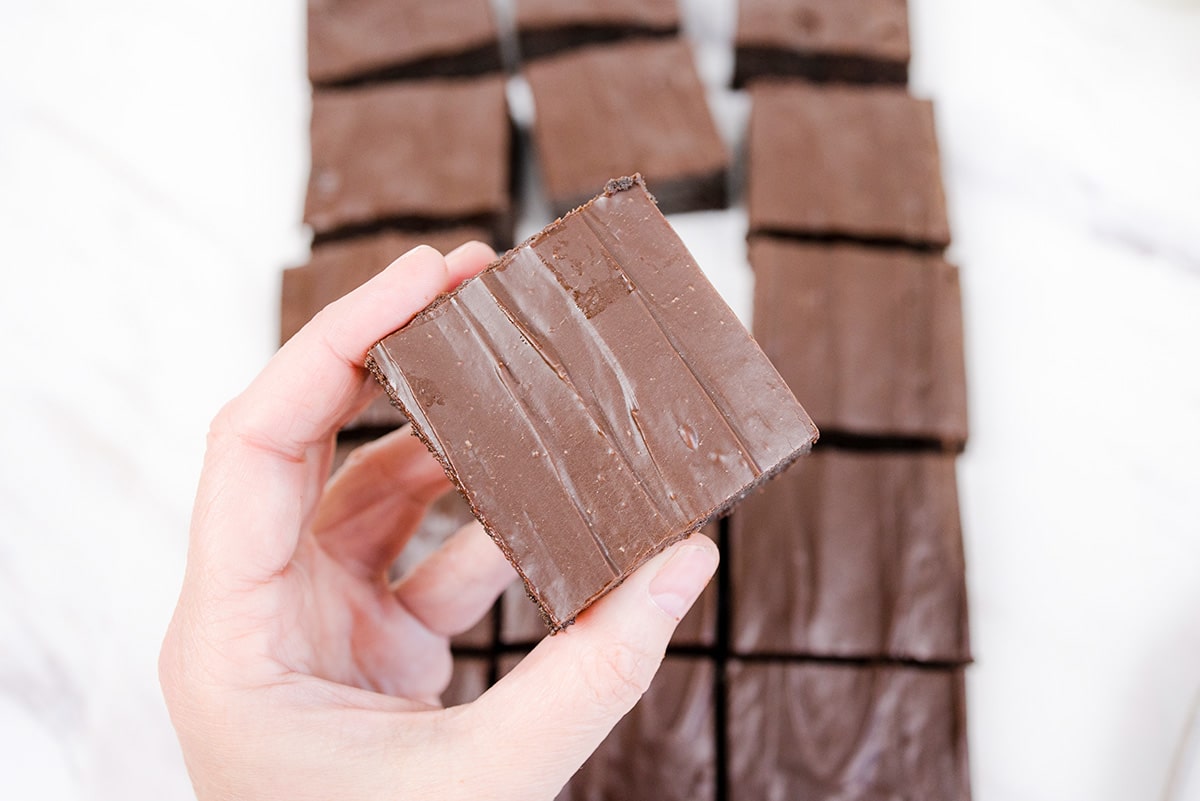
x: 852, y: 556
x: 871, y: 338
x: 846, y: 733
x: 367, y: 40
x: 618, y: 109
x: 852, y: 41
x: 845, y: 163
x: 411, y: 156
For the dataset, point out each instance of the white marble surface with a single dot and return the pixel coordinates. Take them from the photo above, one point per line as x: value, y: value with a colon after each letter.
x: 152, y: 166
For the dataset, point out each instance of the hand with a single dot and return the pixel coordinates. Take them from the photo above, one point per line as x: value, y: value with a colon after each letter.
x: 293, y: 670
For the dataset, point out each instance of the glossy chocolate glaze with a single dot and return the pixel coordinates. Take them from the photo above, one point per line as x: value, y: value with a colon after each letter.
x: 375, y: 39
x: 414, y: 156
x: 852, y: 555
x: 846, y: 732
x: 871, y: 338
x: 841, y: 40
x: 616, y: 109
x: 839, y: 162
x: 593, y: 397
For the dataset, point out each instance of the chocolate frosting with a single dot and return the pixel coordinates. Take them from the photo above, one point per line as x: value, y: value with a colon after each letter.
x: 871, y: 338
x: 593, y: 397
x: 826, y: 732
x: 852, y: 555
x: 845, y: 162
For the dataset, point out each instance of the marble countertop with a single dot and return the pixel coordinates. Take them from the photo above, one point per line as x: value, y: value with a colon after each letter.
x: 153, y: 159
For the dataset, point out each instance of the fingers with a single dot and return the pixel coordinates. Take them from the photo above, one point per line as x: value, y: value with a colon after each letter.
x: 547, y: 716
x: 374, y: 503
x: 451, y: 590
x: 267, y: 447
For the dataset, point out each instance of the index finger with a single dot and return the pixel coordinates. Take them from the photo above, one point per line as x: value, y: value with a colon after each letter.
x: 263, y: 466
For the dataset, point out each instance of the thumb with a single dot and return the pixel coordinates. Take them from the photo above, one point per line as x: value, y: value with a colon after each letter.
x: 546, y: 717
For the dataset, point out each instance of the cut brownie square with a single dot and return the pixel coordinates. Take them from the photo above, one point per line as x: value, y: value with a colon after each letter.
x: 593, y: 397
x: 852, y: 555
x: 839, y: 162
x: 664, y: 749
x: 871, y: 338
x: 545, y: 27
x: 625, y: 108
x: 852, y: 41
x: 357, y: 40
x: 846, y: 733
x: 411, y: 156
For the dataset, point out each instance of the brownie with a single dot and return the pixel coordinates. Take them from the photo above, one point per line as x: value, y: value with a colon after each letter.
x: 853, y: 41
x: 664, y: 749
x: 411, y: 156
x: 593, y: 397
x: 852, y: 555
x: 545, y: 27
x: 839, y: 162
x: 337, y: 268
x: 362, y: 40
x: 871, y: 338
x: 521, y: 623
x: 470, y: 679
x: 616, y: 109
x: 846, y: 732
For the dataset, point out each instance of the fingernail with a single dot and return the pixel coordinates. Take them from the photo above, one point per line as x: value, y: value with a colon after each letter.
x: 682, y: 579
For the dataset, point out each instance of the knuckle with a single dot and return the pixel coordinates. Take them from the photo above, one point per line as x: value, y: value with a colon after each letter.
x: 615, y: 676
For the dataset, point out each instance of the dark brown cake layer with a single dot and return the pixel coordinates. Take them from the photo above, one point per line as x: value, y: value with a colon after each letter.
x: 853, y: 41
x: 624, y: 108
x: 852, y: 555
x: 850, y: 733
x: 593, y: 397
x: 412, y: 156
x: 838, y: 162
x: 545, y: 27
x: 521, y: 622
x: 871, y: 338
x: 356, y: 40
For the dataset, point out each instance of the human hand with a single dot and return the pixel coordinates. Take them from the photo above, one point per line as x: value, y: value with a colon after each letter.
x: 292, y: 669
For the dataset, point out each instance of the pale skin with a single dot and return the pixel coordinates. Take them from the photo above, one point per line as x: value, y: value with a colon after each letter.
x: 293, y: 669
